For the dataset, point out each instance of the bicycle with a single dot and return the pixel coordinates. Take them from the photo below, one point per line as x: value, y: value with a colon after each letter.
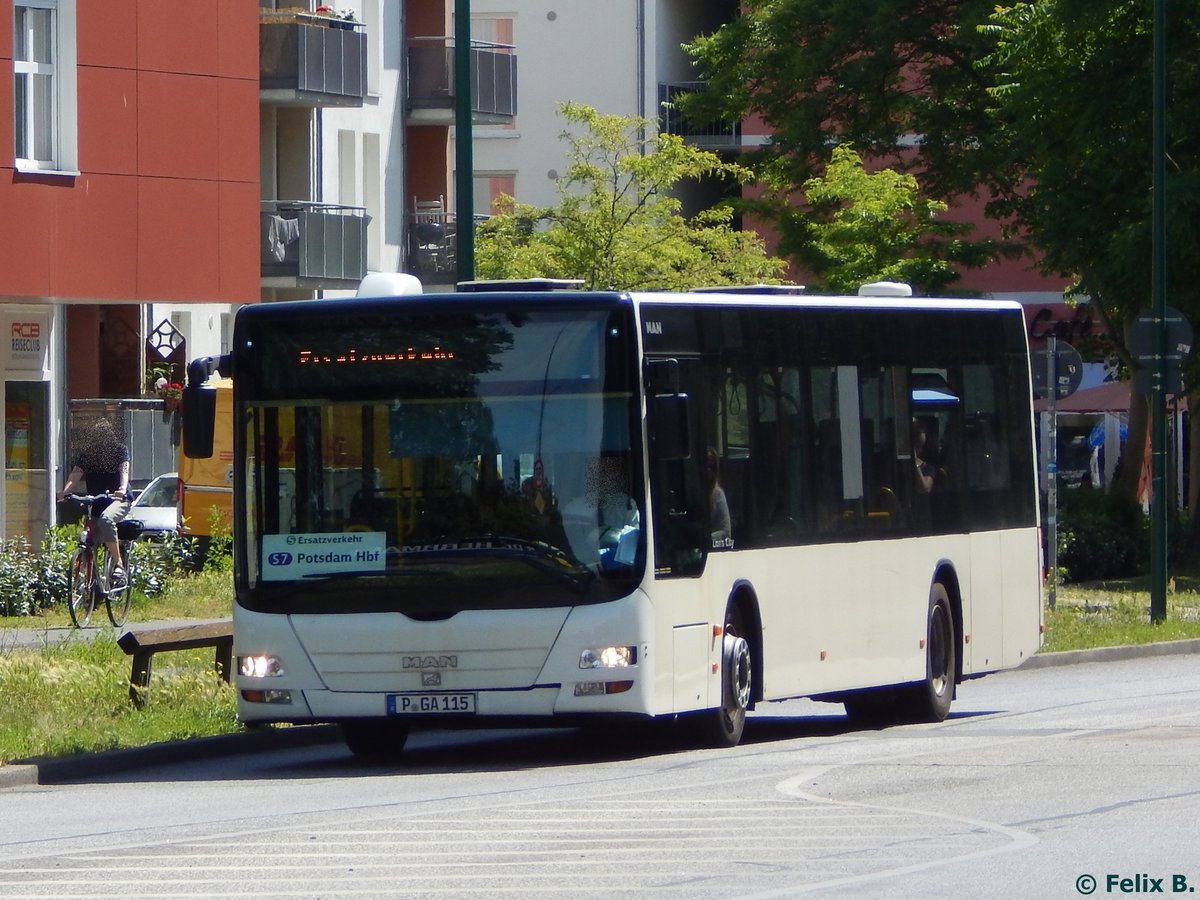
x: 89, y: 574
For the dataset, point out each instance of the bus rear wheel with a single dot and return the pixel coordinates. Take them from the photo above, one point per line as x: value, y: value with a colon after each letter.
x: 929, y: 700
x: 724, y: 726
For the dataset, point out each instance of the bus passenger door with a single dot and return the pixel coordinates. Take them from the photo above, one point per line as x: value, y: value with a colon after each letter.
x: 677, y: 493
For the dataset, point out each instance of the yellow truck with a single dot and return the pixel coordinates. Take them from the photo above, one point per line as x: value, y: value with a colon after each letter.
x: 206, y: 484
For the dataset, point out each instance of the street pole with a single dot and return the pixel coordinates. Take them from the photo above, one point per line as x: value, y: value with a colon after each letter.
x: 1158, y: 290
x: 1052, y: 469
x: 464, y: 163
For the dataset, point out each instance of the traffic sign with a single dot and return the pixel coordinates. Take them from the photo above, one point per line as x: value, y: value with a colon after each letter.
x: 1068, y: 370
x: 1143, y: 342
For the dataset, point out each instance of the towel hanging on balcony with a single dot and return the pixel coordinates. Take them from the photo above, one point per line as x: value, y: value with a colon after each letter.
x: 280, y: 233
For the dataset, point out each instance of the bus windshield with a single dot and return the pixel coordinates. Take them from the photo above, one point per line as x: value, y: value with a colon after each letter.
x: 454, y: 459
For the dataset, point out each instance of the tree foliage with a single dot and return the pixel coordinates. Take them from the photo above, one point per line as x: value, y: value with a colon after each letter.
x: 1071, y: 102
x: 616, y: 224
x: 862, y: 227
x: 895, y: 79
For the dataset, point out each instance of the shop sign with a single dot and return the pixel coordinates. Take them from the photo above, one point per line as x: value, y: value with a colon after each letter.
x: 27, y: 337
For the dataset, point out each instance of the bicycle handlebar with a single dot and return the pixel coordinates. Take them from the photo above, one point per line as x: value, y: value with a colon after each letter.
x: 89, y: 499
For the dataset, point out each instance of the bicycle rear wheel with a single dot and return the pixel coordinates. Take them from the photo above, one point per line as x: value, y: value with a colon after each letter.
x: 81, y: 596
x: 116, y: 598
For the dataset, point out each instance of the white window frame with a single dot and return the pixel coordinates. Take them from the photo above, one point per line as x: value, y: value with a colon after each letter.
x: 63, y: 157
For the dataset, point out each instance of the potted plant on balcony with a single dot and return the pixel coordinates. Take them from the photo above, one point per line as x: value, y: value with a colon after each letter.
x: 170, y: 392
x: 343, y: 18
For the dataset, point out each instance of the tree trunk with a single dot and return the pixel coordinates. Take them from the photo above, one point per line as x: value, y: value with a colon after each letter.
x: 1133, y: 457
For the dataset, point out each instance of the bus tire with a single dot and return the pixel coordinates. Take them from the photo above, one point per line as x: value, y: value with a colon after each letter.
x: 724, y: 726
x: 929, y: 700
x: 375, y: 739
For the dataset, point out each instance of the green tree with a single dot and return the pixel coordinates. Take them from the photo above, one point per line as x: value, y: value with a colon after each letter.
x: 617, y: 224
x: 897, y: 80
x: 1072, y: 108
x: 862, y: 227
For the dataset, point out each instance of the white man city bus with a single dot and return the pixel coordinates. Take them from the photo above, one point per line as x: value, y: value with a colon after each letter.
x: 563, y: 507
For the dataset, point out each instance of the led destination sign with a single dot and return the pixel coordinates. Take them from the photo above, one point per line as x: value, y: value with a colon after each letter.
x: 354, y: 355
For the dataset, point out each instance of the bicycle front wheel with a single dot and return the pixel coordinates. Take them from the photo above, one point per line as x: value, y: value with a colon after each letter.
x: 116, y: 598
x: 81, y: 596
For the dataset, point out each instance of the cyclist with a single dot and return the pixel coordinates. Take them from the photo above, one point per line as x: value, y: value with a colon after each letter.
x: 102, y: 462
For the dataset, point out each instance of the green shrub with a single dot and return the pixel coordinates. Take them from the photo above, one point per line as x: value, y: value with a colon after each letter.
x: 218, y: 555
x: 35, y: 580
x: 1100, y: 535
x: 31, y: 580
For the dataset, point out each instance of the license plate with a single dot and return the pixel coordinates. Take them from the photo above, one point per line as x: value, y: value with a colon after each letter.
x: 430, y: 704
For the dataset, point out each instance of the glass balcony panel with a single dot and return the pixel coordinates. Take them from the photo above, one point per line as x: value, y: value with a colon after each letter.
x: 312, y: 61
x: 431, y: 90
x: 313, y: 245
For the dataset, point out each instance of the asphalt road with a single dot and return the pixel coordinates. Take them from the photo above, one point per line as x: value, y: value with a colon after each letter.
x: 1051, y: 782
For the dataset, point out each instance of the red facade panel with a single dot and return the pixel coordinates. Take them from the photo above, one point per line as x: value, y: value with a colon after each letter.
x: 240, y: 265
x: 106, y: 34
x: 178, y: 239
x: 237, y: 132
x: 237, y: 46
x: 28, y: 213
x: 178, y: 37
x: 108, y: 111
x: 94, y: 253
x: 177, y: 125
x: 167, y: 98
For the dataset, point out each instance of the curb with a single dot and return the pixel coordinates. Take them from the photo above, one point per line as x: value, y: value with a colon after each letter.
x: 1110, y: 654
x: 69, y: 769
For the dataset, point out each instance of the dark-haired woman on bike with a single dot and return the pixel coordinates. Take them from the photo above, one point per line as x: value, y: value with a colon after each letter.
x: 102, y: 462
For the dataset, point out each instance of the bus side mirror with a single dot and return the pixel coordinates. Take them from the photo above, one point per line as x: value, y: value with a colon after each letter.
x: 670, y: 433
x: 200, y: 407
x: 199, y: 420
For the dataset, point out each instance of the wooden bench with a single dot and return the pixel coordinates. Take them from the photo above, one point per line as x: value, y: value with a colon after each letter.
x: 142, y: 645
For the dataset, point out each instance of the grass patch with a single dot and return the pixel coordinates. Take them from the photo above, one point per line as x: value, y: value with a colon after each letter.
x: 1115, y: 615
x: 65, y: 698
x: 74, y: 698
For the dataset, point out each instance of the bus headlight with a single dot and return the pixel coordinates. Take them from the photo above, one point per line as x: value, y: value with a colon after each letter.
x: 608, y: 657
x: 260, y: 666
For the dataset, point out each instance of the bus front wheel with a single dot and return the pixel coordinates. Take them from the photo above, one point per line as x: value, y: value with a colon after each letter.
x: 723, y: 726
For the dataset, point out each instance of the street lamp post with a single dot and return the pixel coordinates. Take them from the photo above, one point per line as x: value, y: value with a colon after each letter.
x: 464, y: 163
x: 1158, y: 290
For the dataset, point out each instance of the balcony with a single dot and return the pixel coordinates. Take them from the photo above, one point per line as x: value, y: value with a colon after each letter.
x: 431, y: 89
x: 433, y: 243
x: 312, y: 61
x: 717, y: 136
x: 312, y: 245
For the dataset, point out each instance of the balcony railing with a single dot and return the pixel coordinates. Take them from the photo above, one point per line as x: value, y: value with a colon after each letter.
x: 431, y: 89
x: 673, y: 121
x: 433, y: 245
x: 313, y: 245
x: 307, y: 60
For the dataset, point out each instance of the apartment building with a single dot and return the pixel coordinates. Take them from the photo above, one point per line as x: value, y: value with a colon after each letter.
x: 131, y: 179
